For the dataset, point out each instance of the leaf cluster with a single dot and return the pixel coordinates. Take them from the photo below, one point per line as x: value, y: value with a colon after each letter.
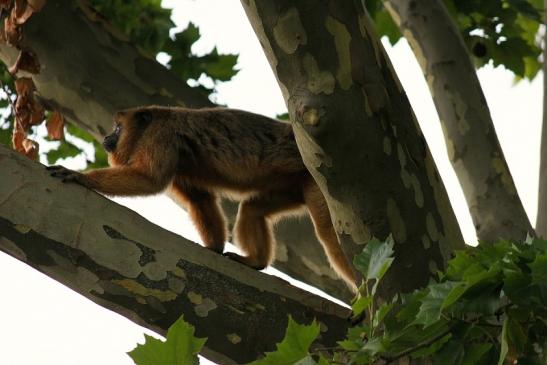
x: 504, y: 32
x: 488, y: 307
x: 148, y: 26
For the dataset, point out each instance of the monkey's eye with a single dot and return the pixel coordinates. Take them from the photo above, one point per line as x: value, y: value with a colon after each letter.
x: 117, y: 128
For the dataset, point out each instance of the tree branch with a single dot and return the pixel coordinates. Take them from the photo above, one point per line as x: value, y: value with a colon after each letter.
x: 473, y: 146
x: 117, y: 259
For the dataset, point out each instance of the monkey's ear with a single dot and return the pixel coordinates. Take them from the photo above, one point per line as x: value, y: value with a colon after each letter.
x: 144, y: 117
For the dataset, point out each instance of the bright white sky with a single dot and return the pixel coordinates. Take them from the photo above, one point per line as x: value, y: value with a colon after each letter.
x: 44, y: 323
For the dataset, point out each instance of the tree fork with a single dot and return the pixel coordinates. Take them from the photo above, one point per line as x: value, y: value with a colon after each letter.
x: 357, y: 133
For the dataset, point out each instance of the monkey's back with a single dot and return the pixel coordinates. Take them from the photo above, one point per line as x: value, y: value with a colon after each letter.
x: 236, y: 146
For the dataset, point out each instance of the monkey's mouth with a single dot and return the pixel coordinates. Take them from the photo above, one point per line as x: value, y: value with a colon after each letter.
x: 109, y: 144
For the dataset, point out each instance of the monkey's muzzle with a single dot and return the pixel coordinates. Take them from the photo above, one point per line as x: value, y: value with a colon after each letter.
x: 110, y: 142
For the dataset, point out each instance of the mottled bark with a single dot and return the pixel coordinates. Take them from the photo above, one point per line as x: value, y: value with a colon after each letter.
x: 472, y: 143
x: 89, y: 71
x: 541, y: 220
x: 357, y: 133
x: 117, y: 259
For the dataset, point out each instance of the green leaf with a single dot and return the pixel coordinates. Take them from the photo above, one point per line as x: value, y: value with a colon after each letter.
x: 283, y: 116
x: 219, y: 67
x: 144, y: 22
x: 539, y: 269
x: 375, y: 259
x: 432, y: 303
x: 451, y: 353
x: 374, y: 346
x: 433, y: 348
x: 100, y: 158
x: 65, y: 150
x: 5, y: 137
x: 454, y: 294
x: 180, y: 347
x: 515, y: 335
x: 525, y: 8
x: 381, y: 313
x: 77, y: 132
x: 294, y: 347
x: 350, y: 345
x: 322, y: 361
x: 475, y: 352
x: 504, y: 344
x: 360, y: 305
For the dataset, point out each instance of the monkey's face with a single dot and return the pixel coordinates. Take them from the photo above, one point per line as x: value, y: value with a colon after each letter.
x: 111, y: 141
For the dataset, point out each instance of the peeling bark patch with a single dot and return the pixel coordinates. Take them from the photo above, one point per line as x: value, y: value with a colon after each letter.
x: 396, y: 222
x: 311, y: 117
x: 177, y: 271
x: 431, y: 227
x: 289, y: 32
x: 194, y: 298
x: 461, y: 109
x: 233, y: 338
x: 138, y: 289
x: 342, y: 39
x: 450, y: 148
x: 318, y: 81
x: 408, y: 179
x: 147, y: 254
x: 426, y: 243
x: 418, y: 193
x: 506, y: 180
x: 433, y: 268
x: 155, y: 303
x: 202, y: 310
x: 202, y: 305
x: 175, y: 284
x: 21, y: 228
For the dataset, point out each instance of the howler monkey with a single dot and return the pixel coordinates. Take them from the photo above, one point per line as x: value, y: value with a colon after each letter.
x: 200, y: 155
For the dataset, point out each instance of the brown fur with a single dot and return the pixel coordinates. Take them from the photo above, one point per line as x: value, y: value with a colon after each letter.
x: 199, y: 155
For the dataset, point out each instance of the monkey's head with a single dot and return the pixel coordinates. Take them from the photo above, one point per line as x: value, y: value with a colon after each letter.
x: 129, y: 126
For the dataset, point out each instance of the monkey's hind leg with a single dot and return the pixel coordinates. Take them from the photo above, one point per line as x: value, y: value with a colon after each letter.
x: 253, y: 228
x: 205, y: 212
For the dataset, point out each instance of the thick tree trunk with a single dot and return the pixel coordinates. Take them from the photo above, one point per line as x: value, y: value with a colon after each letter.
x: 473, y: 147
x: 89, y: 72
x: 541, y: 221
x: 357, y: 133
x: 117, y: 259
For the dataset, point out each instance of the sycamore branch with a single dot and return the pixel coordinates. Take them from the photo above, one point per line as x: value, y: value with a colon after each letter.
x: 117, y: 259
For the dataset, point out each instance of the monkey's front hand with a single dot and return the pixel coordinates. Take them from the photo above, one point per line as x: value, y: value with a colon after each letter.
x: 245, y: 260
x: 66, y: 175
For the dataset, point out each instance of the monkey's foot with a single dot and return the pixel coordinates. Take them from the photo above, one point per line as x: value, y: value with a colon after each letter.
x: 216, y: 248
x: 61, y: 172
x: 247, y: 261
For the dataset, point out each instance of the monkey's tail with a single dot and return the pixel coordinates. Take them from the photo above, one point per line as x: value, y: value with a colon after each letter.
x: 326, y: 234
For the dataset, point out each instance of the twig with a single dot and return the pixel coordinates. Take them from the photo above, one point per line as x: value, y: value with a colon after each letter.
x: 390, y: 359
